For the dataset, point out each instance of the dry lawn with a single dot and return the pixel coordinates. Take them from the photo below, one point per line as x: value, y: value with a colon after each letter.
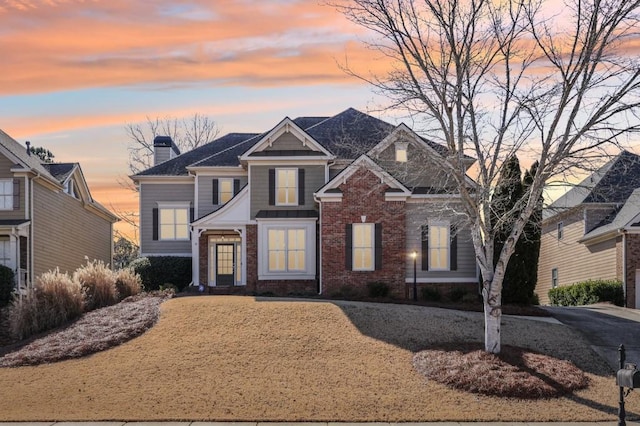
x: 240, y: 358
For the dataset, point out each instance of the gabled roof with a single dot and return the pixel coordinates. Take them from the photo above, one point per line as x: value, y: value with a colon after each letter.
x: 60, y: 171
x: 18, y: 153
x: 626, y: 217
x: 613, y: 183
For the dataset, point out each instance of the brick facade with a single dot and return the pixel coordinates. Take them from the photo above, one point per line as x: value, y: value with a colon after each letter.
x: 203, y: 261
x: 363, y: 195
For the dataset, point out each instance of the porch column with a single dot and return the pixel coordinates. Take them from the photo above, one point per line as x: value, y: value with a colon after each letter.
x: 243, y: 244
x: 195, y: 256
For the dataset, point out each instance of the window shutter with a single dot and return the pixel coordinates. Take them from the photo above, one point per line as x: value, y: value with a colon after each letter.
x: 301, y: 187
x: 272, y: 187
x: 378, y: 246
x: 348, y: 247
x: 236, y: 186
x: 16, y: 194
x: 216, y: 195
x: 192, y: 213
x: 425, y: 247
x: 155, y: 224
x: 453, y: 249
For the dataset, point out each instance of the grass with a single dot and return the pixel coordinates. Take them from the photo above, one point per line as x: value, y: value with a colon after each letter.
x: 240, y: 358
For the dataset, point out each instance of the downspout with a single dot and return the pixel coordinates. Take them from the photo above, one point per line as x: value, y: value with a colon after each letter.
x: 31, y: 256
x: 319, y: 245
x: 624, y: 265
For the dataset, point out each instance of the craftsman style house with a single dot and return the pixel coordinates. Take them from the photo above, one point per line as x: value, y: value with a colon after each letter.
x: 314, y: 205
x: 47, y: 216
x: 593, y: 231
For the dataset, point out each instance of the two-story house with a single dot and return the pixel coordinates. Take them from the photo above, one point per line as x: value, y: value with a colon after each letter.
x: 48, y: 219
x: 593, y: 231
x: 313, y: 205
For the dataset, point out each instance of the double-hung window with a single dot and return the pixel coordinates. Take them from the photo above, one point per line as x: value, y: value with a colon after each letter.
x: 554, y: 278
x: 560, y: 229
x: 173, y: 222
x: 6, y: 194
x: 286, y: 249
x: 286, y: 187
x: 439, y: 246
x: 363, y: 247
x: 401, y: 152
x: 225, y: 190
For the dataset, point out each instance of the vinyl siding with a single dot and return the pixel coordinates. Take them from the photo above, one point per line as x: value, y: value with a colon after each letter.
x: 412, y: 173
x: 286, y: 142
x: 418, y: 215
x: 206, y: 203
x: 314, y: 179
x: 574, y: 261
x: 150, y: 195
x: 5, y: 173
x: 64, y: 232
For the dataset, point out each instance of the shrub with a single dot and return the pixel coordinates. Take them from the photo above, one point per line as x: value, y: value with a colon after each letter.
x: 457, y: 294
x: 347, y: 292
x: 378, y: 289
x: 588, y: 292
x: 128, y: 283
x: 98, y: 284
x: 158, y: 270
x: 7, y: 283
x: 430, y: 294
x: 55, y: 300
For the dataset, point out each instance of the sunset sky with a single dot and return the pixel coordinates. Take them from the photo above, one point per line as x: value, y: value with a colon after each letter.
x: 75, y: 72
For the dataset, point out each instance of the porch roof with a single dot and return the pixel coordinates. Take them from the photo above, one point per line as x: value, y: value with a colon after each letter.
x: 277, y: 214
x: 13, y: 222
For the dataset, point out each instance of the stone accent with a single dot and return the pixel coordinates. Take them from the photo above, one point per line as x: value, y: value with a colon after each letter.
x: 252, y: 258
x: 363, y: 195
x: 203, y: 260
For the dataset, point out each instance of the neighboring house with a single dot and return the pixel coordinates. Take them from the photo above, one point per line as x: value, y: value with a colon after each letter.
x: 47, y: 216
x: 314, y: 205
x: 593, y: 231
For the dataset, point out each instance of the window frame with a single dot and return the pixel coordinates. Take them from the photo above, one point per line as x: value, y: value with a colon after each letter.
x: 174, y: 207
x: 221, y: 182
x: 277, y: 188
x: 446, y: 225
x: 286, y: 250
x: 554, y: 277
x: 560, y: 230
x: 401, y: 152
x: 7, y: 198
x: 371, y: 247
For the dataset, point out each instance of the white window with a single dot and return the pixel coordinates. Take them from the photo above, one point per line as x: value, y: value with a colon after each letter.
x: 363, y: 248
x: 560, y: 230
x: 174, y: 222
x: 225, y: 190
x: 6, y: 194
x: 5, y: 252
x: 401, y: 152
x: 439, y: 246
x: 286, y: 187
x: 286, y: 250
x: 554, y: 278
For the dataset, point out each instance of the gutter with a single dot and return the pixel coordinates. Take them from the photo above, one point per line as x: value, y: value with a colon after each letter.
x: 624, y: 265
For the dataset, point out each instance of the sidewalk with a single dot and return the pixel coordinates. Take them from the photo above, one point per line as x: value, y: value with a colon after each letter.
x: 611, y: 423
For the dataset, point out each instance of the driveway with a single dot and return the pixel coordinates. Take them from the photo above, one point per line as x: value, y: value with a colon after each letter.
x: 605, y: 327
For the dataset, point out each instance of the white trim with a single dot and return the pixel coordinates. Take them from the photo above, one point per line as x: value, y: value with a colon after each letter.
x: 173, y: 205
x: 278, y: 161
x: 296, y: 173
x: 165, y: 254
x: 163, y: 179
x: 220, y: 192
x: 285, y: 126
x: 9, y: 195
x: 372, y: 238
x: 470, y: 280
x: 440, y: 224
x: 217, y: 171
x: 196, y: 201
x: 309, y: 225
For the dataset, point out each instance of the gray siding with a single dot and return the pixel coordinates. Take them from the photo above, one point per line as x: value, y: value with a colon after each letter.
x: 314, y: 179
x: 5, y: 173
x: 287, y: 142
x: 206, y: 203
x: 412, y: 173
x: 420, y: 214
x: 150, y: 195
x: 64, y: 232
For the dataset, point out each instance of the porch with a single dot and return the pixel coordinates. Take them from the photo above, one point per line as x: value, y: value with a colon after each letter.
x: 15, y: 250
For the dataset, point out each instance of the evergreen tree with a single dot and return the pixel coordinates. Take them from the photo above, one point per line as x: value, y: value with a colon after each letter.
x: 44, y: 154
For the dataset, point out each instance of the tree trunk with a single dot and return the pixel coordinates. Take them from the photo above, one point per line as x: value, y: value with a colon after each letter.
x: 492, y: 319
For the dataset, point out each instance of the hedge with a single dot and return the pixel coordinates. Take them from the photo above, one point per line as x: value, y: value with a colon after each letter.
x: 6, y: 285
x: 157, y: 271
x: 588, y: 292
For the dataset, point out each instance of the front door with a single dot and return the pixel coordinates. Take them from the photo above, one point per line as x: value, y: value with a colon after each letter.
x: 225, y: 264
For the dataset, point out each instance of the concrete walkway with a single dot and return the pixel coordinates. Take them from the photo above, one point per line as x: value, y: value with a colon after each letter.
x: 317, y: 424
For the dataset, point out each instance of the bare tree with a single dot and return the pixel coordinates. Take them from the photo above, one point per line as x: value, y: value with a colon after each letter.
x: 187, y: 134
x: 489, y: 78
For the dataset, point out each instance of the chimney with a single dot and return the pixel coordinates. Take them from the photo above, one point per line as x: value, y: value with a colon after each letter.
x: 164, y: 149
x: 28, y: 147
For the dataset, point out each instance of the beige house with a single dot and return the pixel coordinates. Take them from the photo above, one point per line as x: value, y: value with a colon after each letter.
x: 48, y: 218
x: 593, y: 231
